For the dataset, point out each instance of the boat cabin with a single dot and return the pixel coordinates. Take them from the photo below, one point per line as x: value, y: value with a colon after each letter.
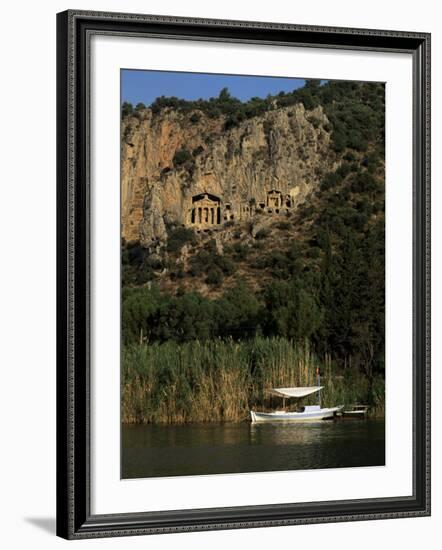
x: 310, y: 408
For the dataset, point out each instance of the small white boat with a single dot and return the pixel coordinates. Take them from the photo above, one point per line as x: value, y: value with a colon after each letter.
x: 307, y: 413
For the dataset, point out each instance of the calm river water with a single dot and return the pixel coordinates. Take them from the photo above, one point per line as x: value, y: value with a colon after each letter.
x: 212, y: 448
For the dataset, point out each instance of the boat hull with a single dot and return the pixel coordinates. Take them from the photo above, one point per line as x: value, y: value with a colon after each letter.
x: 282, y: 416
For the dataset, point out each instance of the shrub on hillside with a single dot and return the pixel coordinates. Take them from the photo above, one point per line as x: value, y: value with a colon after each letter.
x: 178, y: 237
x: 181, y: 157
x: 262, y: 234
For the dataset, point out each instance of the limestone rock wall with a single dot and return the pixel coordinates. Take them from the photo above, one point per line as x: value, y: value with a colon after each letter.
x: 285, y: 150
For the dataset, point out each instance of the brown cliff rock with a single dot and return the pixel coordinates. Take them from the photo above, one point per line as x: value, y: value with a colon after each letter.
x: 197, y: 174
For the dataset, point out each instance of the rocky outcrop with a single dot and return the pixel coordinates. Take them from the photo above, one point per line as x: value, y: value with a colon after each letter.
x: 170, y: 161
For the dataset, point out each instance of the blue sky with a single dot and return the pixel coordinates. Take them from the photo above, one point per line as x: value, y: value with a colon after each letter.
x: 145, y: 86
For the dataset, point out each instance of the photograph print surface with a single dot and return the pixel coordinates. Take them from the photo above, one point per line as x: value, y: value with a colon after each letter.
x: 252, y: 273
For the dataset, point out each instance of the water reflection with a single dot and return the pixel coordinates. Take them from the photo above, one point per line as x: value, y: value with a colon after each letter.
x: 211, y: 448
x: 286, y: 433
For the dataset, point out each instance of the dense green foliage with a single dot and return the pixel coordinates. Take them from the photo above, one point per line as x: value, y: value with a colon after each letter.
x: 327, y: 287
x: 178, y: 237
x: 127, y: 109
x: 356, y: 111
x: 181, y: 157
x: 347, y: 244
x: 208, y: 261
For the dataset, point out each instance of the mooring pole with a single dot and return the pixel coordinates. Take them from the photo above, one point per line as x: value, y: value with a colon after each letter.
x: 318, y: 381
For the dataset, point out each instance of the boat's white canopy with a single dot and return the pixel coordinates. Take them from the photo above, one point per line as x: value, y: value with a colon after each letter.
x: 295, y: 392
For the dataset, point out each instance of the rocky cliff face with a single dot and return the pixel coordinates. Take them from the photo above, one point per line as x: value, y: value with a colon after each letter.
x: 187, y: 169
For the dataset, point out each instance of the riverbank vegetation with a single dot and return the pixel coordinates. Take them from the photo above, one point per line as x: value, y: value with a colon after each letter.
x: 221, y: 380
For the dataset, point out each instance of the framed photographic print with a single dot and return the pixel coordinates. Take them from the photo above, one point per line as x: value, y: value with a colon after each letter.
x: 243, y: 274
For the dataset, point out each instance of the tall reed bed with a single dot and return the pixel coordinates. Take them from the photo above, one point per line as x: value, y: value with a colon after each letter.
x: 221, y: 380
